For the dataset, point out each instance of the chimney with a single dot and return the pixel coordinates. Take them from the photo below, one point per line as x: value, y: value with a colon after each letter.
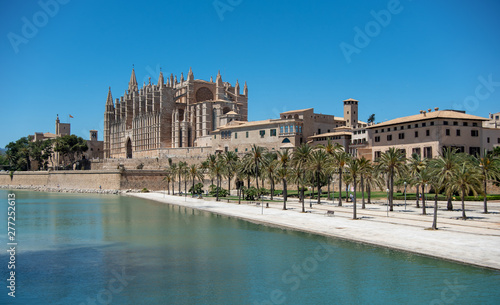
x: 436, y: 109
x: 429, y: 110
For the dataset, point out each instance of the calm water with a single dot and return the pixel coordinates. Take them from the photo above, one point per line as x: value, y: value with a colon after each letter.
x: 118, y: 250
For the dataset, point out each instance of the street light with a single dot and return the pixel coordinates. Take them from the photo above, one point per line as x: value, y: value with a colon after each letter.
x: 405, y: 195
x: 387, y: 190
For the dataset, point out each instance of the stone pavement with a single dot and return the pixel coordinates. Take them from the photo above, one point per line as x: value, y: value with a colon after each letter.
x: 474, y: 241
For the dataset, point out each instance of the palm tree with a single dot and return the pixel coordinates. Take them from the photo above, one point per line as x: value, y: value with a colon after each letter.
x: 194, y: 173
x: 415, y: 165
x: 256, y: 157
x: 168, y: 179
x: 447, y: 163
x: 423, y: 178
x: 331, y: 149
x: 318, y: 160
x: 297, y: 177
x: 284, y: 160
x: 181, y: 169
x: 218, y: 170
x: 173, y: 170
x: 211, y: 160
x: 300, y: 158
x: 371, y: 119
x: 466, y: 178
x: 393, y: 161
x: 365, y: 168
x: 354, y: 170
x: 231, y: 159
x: 490, y: 171
x: 270, y: 170
x: 340, y: 159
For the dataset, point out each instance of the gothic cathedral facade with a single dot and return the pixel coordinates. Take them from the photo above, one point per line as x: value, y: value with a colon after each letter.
x: 172, y: 114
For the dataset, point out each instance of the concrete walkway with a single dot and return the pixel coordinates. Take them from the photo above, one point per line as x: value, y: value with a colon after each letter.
x: 474, y: 241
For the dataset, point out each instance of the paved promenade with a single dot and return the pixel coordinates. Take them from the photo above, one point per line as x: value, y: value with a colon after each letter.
x: 474, y: 241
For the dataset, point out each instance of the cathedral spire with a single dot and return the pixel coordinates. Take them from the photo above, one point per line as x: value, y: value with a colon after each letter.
x: 237, y: 88
x: 109, y: 100
x: 172, y: 79
x: 190, y: 75
x: 132, y: 84
x: 160, y: 80
x: 219, y: 79
x: 182, y: 77
x: 245, y: 89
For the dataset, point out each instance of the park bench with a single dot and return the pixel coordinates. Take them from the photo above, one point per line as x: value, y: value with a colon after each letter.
x: 330, y: 213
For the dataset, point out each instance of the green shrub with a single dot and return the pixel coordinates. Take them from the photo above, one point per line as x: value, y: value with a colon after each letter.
x: 213, y: 191
x: 144, y: 190
x: 198, y: 189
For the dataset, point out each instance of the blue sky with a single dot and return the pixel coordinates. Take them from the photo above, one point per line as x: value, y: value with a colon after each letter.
x: 418, y: 55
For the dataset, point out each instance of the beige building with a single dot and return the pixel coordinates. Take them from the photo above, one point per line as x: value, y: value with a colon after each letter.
x: 147, y: 121
x: 292, y: 129
x: 427, y: 133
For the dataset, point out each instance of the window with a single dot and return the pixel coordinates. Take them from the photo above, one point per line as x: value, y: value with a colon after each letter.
x: 403, y: 151
x: 498, y: 140
x: 319, y: 131
x: 377, y: 139
x: 291, y: 128
x: 215, y: 136
x: 402, y: 128
x: 466, y: 124
x: 389, y: 137
x: 262, y: 133
x: 424, y: 124
x: 447, y: 132
x: 382, y: 130
x: 376, y: 131
x: 409, y: 126
x: 455, y: 123
x: 458, y: 132
x: 474, y: 133
x: 416, y: 134
x: 236, y: 135
x: 273, y: 132
x: 247, y: 134
x: 236, y: 150
x: 432, y: 123
x: 488, y: 140
x: 246, y: 149
x: 428, y: 152
x: 377, y: 155
x: 401, y: 135
x: 427, y: 132
x: 395, y: 128
x: 474, y: 151
x: 474, y: 124
x: 281, y: 129
x: 286, y: 129
x: 497, y: 117
x: 416, y: 125
x: 416, y: 151
x: 445, y: 123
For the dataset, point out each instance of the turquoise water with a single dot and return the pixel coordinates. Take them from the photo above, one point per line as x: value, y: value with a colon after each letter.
x: 107, y: 249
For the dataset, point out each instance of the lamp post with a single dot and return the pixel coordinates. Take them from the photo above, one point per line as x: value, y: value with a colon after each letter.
x: 405, y: 195
x: 387, y: 190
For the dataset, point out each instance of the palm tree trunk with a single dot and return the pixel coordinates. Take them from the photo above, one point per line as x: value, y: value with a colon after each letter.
x: 319, y: 188
x: 180, y: 180
x: 369, y: 191
x: 449, y: 204
x: 391, y: 192
x: 301, y: 194
x: 272, y: 189
x: 485, y: 198
x: 328, y: 197
x: 340, y: 187
x: 229, y: 185
x: 434, y: 220
x: 217, y: 189
x: 463, y: 205
x: 362, y: 193
x: 284, y: 194
x: 354, y: 216
x: 423, y: 201
x: 418, y: 197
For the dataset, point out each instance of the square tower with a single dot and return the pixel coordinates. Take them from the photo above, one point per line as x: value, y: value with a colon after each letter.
x: 351, y: 113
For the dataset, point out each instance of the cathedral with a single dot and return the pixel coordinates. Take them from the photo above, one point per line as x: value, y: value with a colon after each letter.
x: 178, y: 113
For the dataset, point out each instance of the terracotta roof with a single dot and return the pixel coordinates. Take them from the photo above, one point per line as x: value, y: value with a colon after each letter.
x: 441, y: 114
x: 330, y: 134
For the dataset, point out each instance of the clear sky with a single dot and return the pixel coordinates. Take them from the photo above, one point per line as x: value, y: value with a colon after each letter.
x: 395, y: 57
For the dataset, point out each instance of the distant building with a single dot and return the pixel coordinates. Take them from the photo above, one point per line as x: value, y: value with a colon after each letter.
x: 95, y: 147
x: 428, y: 133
